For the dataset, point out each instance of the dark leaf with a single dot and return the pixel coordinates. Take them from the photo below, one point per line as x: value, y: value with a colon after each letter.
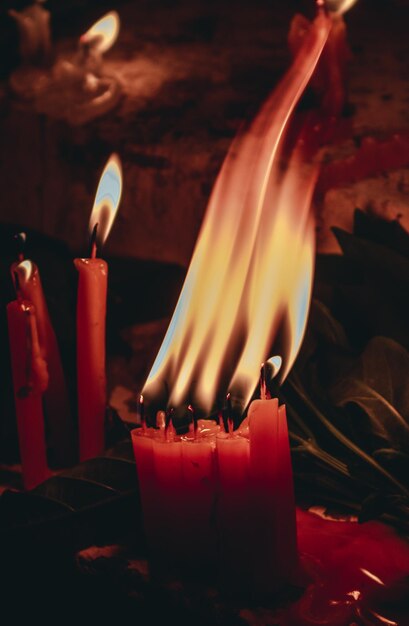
x: 384, y: 367
x: 326, y: 327
x: 374, y: 257
x: 376, y: 505
x: 87, y: 491
x: 395, y: 462
x: 374, y: 417
x: 390, y: 234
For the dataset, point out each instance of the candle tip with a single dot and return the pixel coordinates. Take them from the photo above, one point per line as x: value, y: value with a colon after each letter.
x: 221, y: 422
x: 194, y: 420
x: 161, y: 420
x: 263, y: 390
x: 168, y: 422
x: 93, y: 241
x: 229, y: 413
x: 20, y: 239
x: 16, y: 281
x: 141, y: 412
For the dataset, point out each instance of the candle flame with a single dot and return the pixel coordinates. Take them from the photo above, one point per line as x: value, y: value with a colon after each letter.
x: 249, y: 281
x: 276, y: 363
x: 104, y: 32
x: 339, y: 7
x: 24, y: 271
x: 107, y: 199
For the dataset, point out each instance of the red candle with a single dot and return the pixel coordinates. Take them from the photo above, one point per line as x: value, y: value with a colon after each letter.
x: 233, y: 453
x: 169, y: 544
x: 273, y: 537
x: 91, y: 314
x: 91, y: 380
x: 55, y: 397
x: 287, y: 525
x: 142, y: 441
x: 199, y: 493
x: 30, y: 379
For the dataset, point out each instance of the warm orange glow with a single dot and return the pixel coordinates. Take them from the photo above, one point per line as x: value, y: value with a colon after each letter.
x: 251, y: 272
x: 107, y: 199
x: 372, y: 576
x: 24, y: 271
x: 339, y: 6
x: 275, y: 362
x: 103, y: 33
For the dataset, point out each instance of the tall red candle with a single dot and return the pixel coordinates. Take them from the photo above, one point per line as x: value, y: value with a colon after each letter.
x: 142, y: 441
x: 30, y: 379
x: 199, y: 493
x: 234, y: 507
x: 91, y: 316
x: 56, y: 396
x: 274, y: 542
x: 286, y: 512
x: 91, y: 379
x: 167, y: 459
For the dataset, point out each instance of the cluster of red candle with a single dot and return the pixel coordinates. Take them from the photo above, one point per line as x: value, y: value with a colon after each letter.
x: 38, y: 377
x: 216, y: 499
x: 220, y: 499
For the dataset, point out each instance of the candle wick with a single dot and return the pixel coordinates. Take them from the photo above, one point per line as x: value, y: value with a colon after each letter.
x: 160, y: 420
x: 194, y: 420
x: 16, y: 281
x: 263, y: 386
x: 93, y: 241
x: 141, y: 411
x: 168, y: 421
x: 221, y: 421
x: 321, y: 7
x: 20, y: 239
x: 229, y: 412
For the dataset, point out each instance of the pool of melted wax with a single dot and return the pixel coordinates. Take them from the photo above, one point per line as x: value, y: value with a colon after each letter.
x: 358, y: 574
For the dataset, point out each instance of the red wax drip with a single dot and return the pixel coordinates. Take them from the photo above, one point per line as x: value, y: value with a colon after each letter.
x: 357, y: 574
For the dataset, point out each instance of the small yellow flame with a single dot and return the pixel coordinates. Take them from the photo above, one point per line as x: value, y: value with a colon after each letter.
x: 103, y: 33
x: 275, y: 362
x: 339, y: 7
x: 251, y: 271
x: 107, y: 198
x: 24, y: 270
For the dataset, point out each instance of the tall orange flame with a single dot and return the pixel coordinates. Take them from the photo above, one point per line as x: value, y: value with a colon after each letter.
x: 104, y: 32
x: 107, y: 198
x: 252, y: 267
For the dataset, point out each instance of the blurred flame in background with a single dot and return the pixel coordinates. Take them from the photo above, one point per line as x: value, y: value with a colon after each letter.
x: 104, y: 32
x: 339, y: 7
